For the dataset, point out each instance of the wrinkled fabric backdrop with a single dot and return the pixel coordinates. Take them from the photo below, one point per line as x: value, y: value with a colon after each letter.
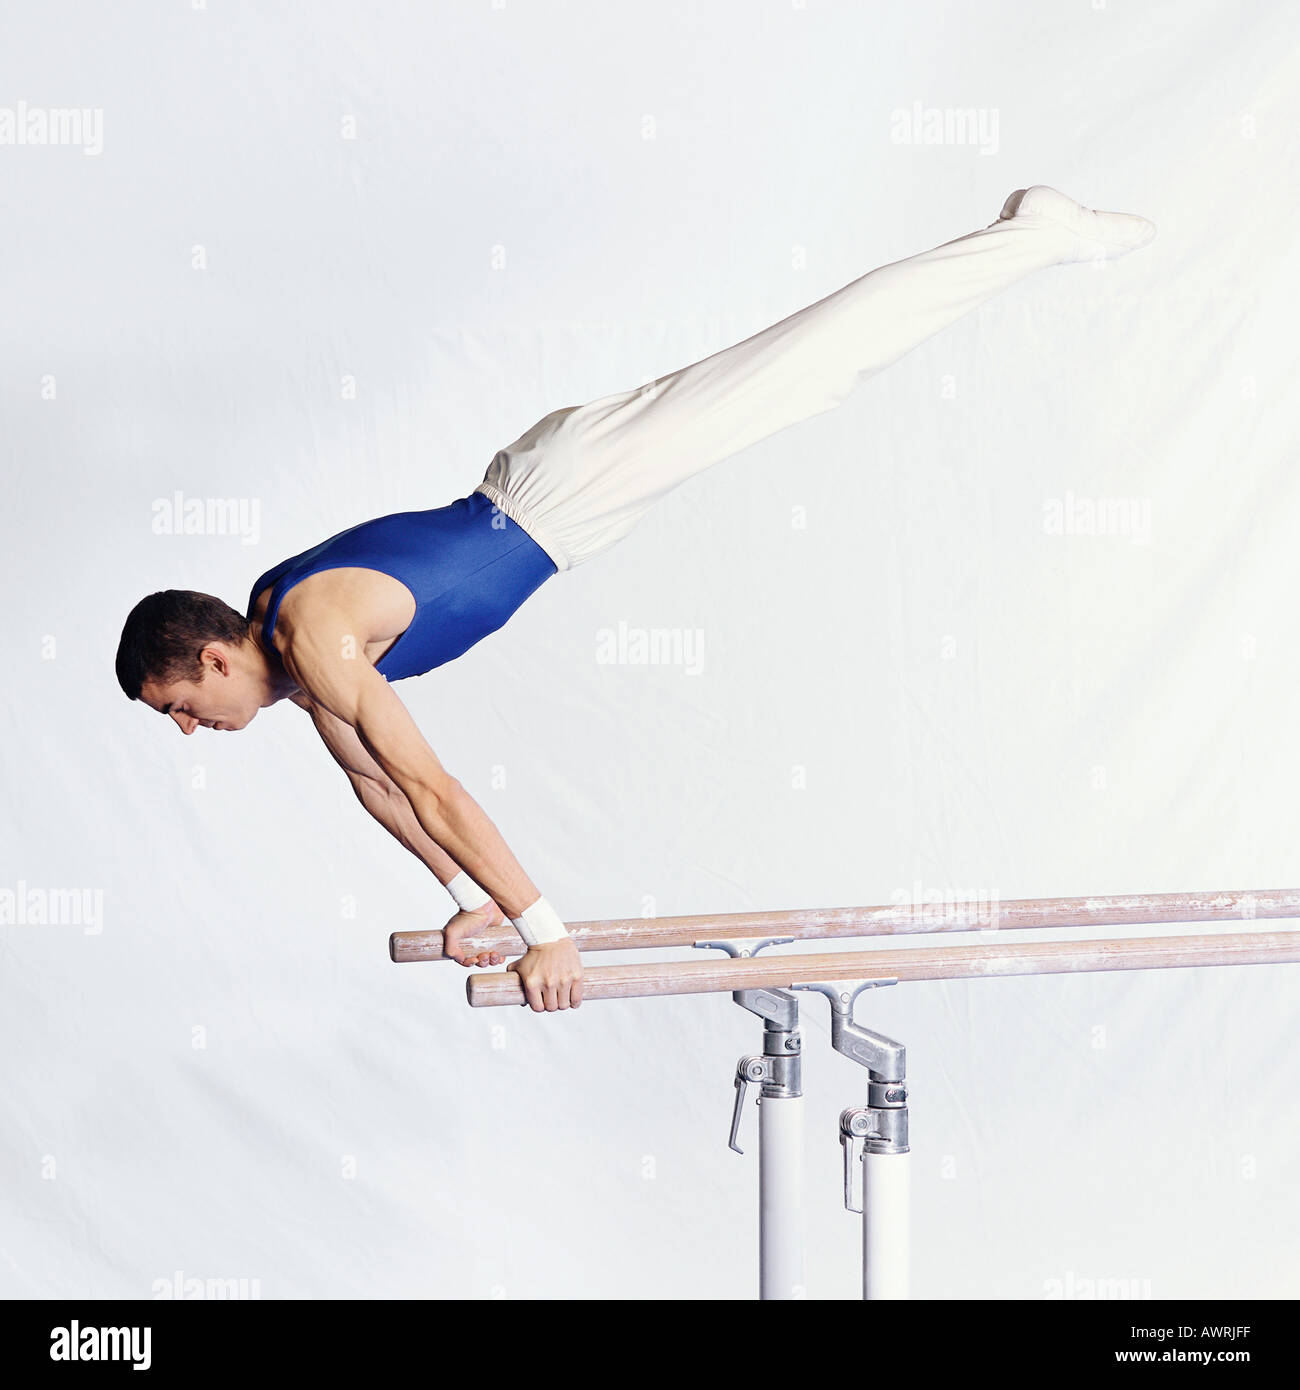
x: 1017, y: 620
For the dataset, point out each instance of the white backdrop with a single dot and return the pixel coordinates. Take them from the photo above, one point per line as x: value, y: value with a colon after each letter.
x: 326, y: 260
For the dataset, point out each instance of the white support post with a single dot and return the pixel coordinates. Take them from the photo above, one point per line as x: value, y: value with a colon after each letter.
x: 886, y: 1225
x: 780, y: 1197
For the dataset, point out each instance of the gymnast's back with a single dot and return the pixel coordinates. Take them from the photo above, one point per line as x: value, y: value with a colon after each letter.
x: 468, y: 567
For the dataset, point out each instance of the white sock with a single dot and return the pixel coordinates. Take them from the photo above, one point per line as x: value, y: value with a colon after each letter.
x: 1091, y: 235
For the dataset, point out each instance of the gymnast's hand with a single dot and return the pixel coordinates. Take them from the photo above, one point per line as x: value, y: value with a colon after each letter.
x: 463, y: 924
x: 551, y: 975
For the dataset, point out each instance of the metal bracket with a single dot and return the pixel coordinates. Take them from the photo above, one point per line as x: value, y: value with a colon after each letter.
x: 881, y: 1125
x: 885, y: 1059
x: 778, y: 1069
x: 743, y: 947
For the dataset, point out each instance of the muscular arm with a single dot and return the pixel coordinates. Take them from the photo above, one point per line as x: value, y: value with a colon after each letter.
x: 378, y: 793
x: 353, y: 692
x: 387, y: 803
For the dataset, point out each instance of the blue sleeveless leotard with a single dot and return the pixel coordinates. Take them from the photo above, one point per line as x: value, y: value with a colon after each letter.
x: 468, y: 566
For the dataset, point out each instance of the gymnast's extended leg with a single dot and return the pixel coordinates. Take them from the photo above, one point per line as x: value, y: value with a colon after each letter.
x: 582, y: 477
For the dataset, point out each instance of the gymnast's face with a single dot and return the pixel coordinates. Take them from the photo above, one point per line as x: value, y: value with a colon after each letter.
x: 225, y: 698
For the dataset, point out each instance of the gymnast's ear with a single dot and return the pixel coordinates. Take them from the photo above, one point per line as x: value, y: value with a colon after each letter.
x: 166, y: 634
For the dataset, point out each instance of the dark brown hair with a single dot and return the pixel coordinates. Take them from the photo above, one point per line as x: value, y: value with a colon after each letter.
x: 165, y: 633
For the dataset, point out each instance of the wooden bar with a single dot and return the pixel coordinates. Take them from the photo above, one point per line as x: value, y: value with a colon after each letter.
x: 922, y: 963
x: 639, y: 933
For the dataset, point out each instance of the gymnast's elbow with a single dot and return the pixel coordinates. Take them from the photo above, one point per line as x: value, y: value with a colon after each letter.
x: 437, y: 797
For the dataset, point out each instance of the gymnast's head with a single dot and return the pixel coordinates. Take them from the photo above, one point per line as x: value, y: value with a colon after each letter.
x: 193, y: 658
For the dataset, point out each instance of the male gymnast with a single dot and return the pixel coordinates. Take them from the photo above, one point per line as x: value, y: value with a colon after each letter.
x: 329, y: 629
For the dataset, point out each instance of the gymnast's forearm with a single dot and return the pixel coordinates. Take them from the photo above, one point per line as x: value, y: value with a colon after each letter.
x: 459, y: 826
x: 390, y: 807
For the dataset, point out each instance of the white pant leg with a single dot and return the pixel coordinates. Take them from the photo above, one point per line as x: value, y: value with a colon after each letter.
x: 583, y: 476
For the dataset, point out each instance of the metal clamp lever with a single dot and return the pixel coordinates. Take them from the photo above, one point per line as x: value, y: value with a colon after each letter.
x: 881, y: 1126
x: 747, y: 1069
x: 854, y: 1124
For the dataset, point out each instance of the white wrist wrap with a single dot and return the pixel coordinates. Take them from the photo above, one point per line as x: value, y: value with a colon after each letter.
x: 467, y: 893
x: 539, y: 924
